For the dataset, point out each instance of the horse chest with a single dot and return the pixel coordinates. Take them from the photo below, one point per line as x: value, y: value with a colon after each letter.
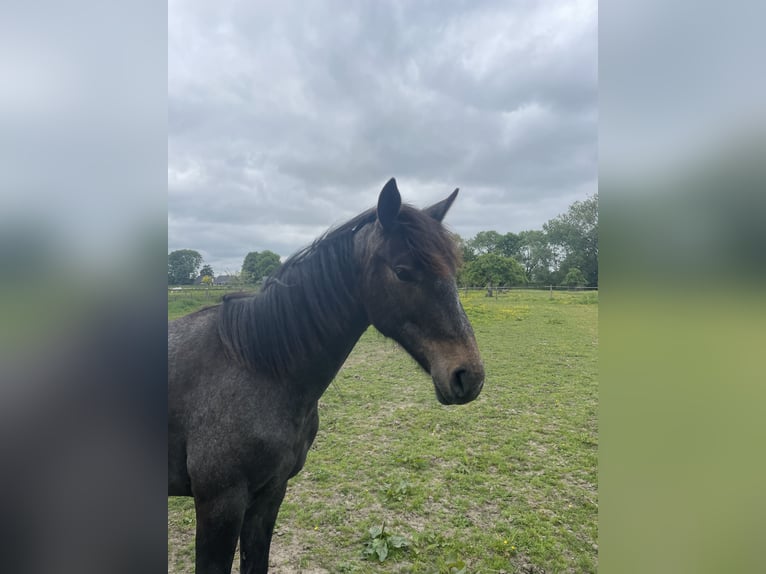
x: 304, y: 437
x: 284, y: 435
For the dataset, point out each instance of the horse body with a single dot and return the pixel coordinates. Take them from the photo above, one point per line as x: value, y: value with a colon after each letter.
x: 245, y: 377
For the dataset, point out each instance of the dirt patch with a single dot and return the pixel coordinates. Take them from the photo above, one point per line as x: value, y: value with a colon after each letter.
x: 286, y: 548
x: 284, y: 558
x: 525, y: 566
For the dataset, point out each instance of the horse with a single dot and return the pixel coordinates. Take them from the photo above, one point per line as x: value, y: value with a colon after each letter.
x: 245, y: 376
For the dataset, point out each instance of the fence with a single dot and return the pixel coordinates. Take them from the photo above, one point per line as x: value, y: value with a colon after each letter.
x: 532, y: 287
x: 201, y: 293
x: 191, y: 296
x: 495, y: 291
x: 203, y: 288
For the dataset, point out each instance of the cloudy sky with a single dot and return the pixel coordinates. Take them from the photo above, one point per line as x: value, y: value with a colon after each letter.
x: 287, y: 117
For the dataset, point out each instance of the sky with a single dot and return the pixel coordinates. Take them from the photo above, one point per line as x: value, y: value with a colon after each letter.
x: 285, y: 118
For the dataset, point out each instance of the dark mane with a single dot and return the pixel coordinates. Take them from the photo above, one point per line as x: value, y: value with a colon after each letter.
x: 308, y: 298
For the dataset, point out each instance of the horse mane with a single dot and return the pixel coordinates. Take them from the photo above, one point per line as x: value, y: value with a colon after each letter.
x: 305, y: 301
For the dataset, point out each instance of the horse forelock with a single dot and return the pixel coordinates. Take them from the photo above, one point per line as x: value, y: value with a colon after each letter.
x: 429, y: 242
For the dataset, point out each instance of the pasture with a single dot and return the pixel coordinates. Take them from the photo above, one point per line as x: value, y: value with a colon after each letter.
x: 396, y: 482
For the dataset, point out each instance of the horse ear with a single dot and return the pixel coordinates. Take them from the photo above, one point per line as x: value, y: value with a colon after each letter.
x: 389, y: 203
x: 439, y: 210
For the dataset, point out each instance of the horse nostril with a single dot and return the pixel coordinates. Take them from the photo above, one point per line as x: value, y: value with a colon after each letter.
x: 466, y: 383
x: 458, y: 383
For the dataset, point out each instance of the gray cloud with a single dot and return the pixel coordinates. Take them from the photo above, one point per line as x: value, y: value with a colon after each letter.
x: 286, y: 118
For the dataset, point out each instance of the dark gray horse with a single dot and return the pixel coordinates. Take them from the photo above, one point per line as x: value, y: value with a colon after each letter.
x: 244, y: 377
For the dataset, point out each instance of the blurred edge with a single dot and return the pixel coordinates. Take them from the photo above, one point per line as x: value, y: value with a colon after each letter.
x: 83, y: 152
x: 683, y: 316
x: 82, y: 398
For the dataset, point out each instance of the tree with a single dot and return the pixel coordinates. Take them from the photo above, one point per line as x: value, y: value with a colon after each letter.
x: 574, y: 278
x: 182, y: 266
x: 494, y: 270
x: 535, y: 256
x: 508, y: 245
x: 566, y: 242
x: 485, y: 242
x: 207, y: 281
x: 258, y: 265
x: 466, y: 251
x: 575, y: 236
x: 206, y: 271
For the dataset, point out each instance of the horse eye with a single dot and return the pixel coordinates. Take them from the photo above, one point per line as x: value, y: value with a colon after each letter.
x: 404, y: 274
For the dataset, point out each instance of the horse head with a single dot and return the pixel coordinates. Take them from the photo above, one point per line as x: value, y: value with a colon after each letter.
x: 410, y: 293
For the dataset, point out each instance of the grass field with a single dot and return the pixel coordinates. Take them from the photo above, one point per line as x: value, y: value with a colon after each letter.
x: 505, y: 484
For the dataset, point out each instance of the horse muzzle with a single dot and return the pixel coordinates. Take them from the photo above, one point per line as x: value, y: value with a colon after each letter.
x: 458, y: 385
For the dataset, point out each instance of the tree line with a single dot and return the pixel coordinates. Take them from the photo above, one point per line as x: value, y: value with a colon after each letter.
x: 563, y: 252
x: 184, y: 268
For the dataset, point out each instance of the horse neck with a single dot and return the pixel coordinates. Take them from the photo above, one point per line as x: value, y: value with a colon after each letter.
x: 321, y: 301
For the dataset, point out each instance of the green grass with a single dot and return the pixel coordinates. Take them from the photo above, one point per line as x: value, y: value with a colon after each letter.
x: 507, y: 483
